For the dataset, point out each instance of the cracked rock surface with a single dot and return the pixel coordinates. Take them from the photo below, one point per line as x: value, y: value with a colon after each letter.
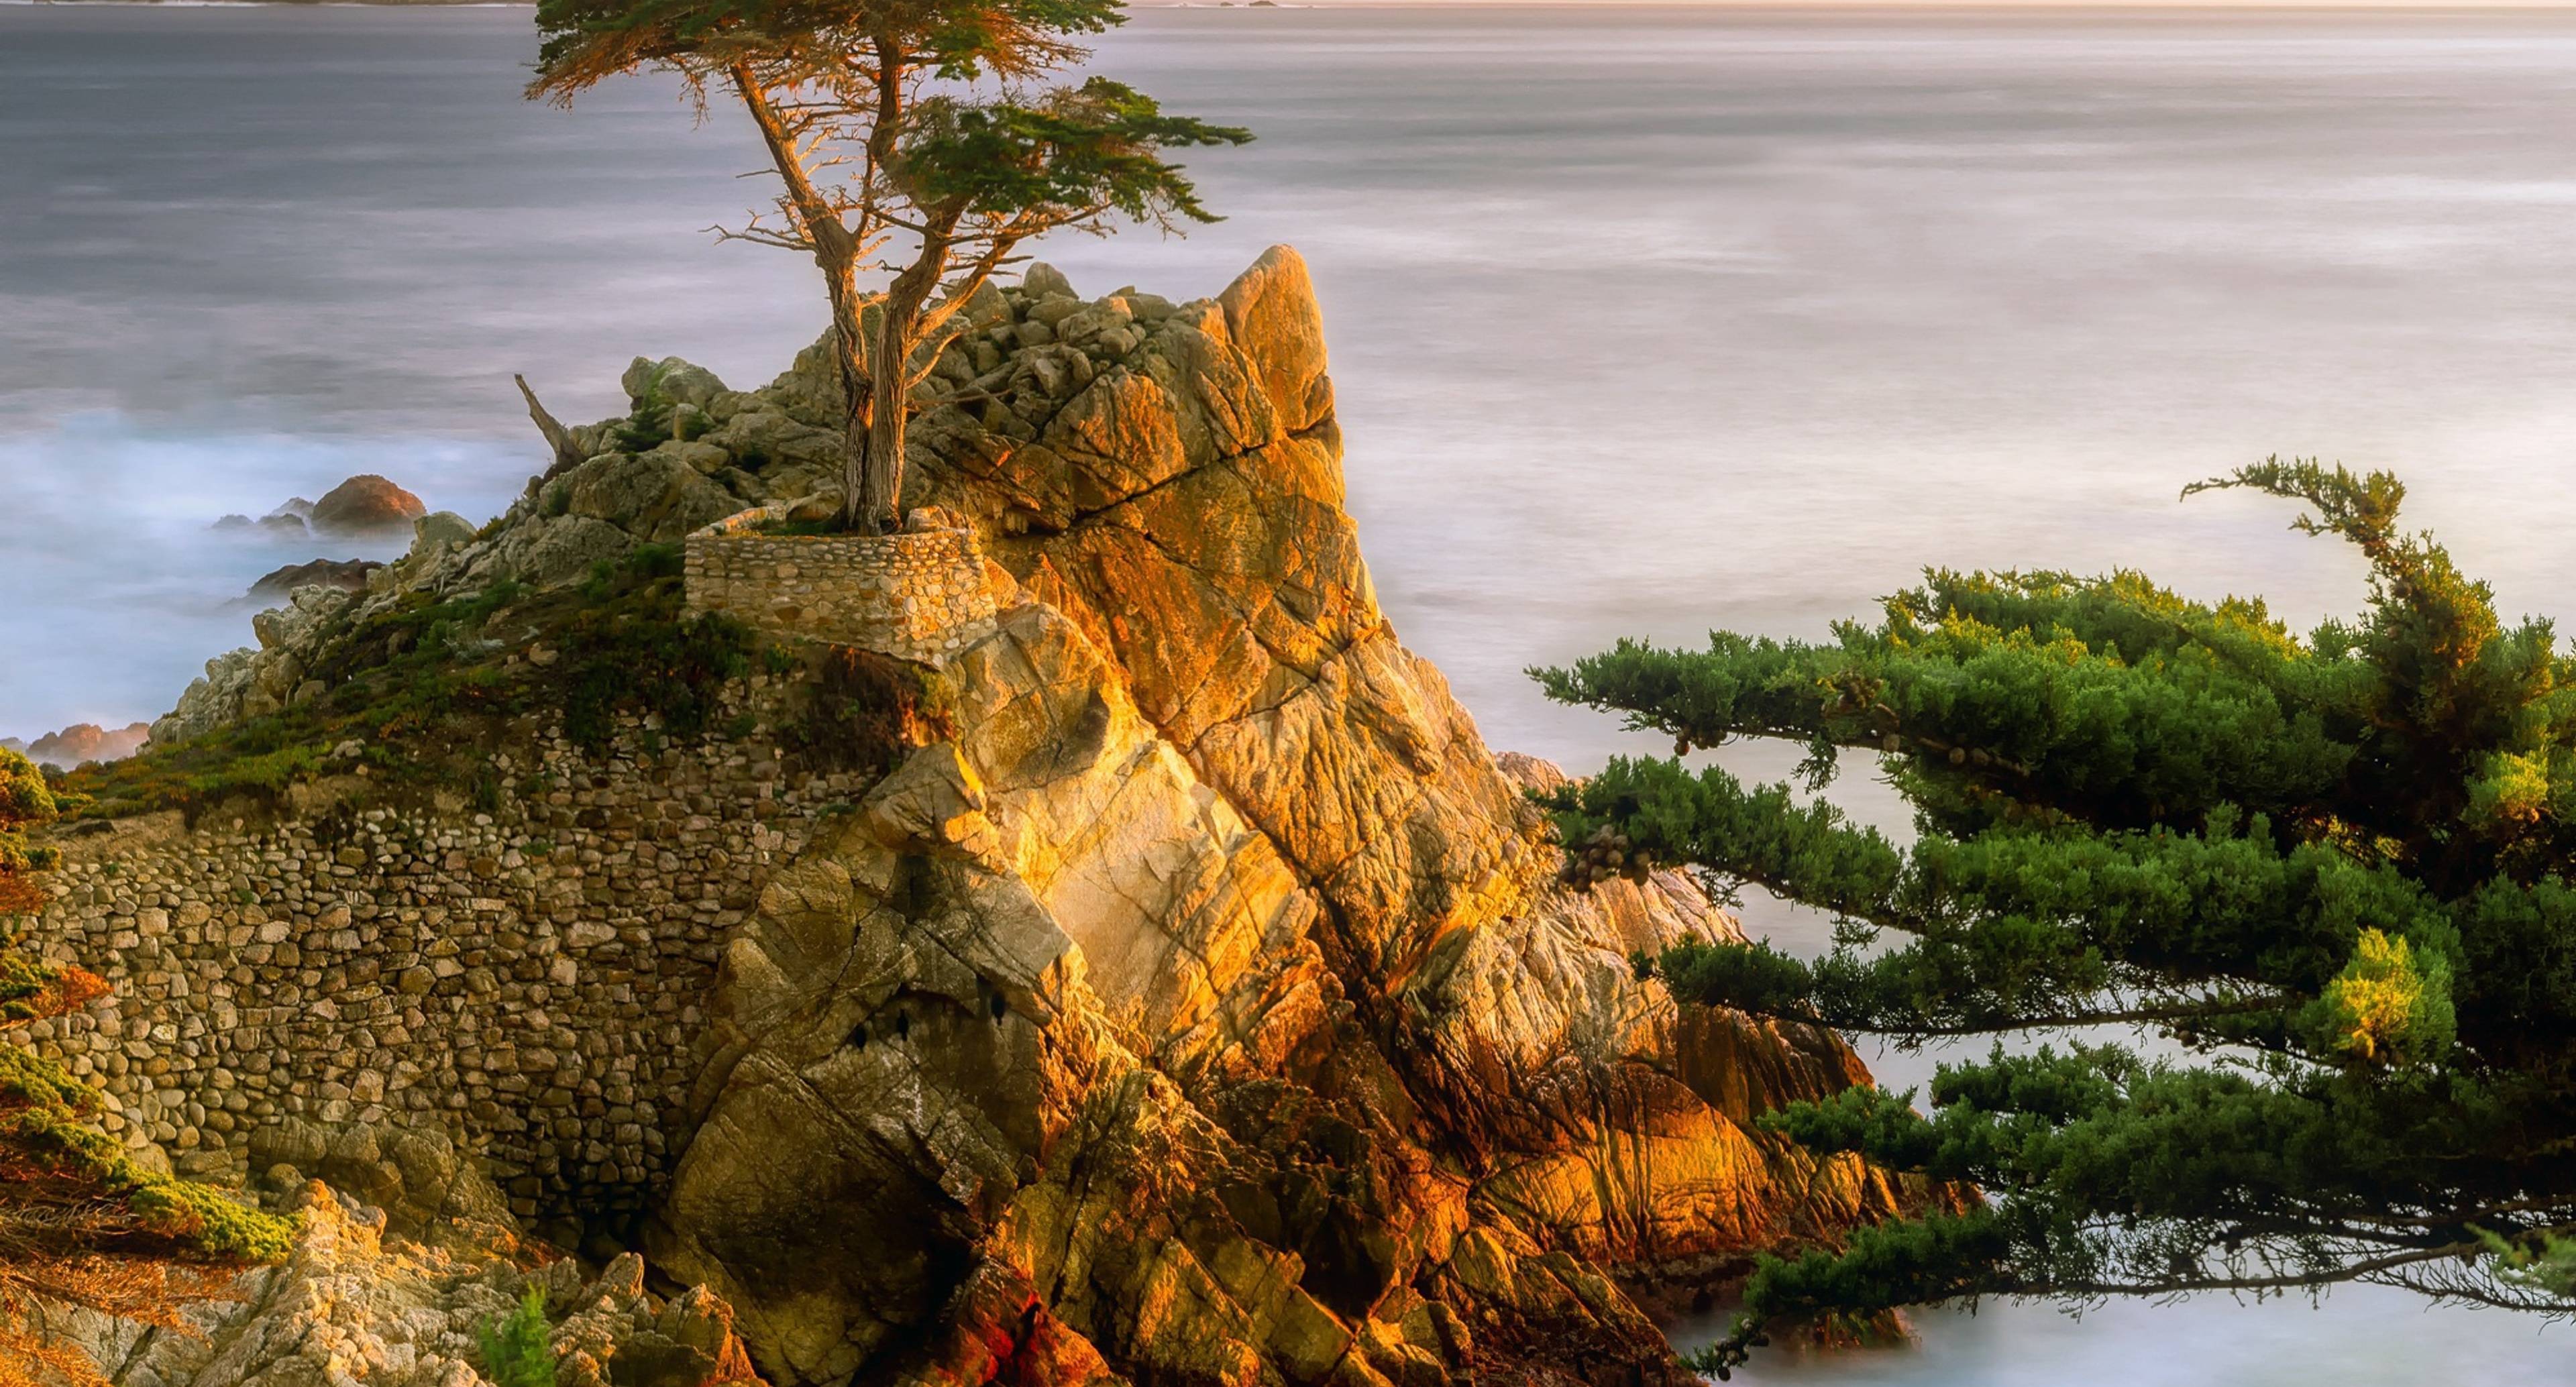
x: 352, y: 1305
x: 1206, y: 1009
x: 1203, y: 1007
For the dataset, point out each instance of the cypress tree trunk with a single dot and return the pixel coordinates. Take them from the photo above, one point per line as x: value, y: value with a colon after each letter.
x: 851, y: 347
x: 898, y: 334
x: 879, y: 457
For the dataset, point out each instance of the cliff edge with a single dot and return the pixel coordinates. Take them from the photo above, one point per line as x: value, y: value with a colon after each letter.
x: 1162, y: 982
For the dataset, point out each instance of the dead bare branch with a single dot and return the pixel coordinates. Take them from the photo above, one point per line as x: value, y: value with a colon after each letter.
x: 568, y: 454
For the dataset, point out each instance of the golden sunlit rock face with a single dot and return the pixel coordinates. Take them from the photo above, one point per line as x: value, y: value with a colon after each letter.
x: 1207, y: 1010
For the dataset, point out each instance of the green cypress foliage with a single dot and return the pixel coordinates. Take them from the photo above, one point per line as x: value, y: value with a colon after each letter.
x: 918, y: 144
x: 2333, y: 869
x: 515, y: 1351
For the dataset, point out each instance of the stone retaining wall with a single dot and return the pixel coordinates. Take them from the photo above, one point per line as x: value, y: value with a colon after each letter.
x: 918, y: 595
x: 528, y: 976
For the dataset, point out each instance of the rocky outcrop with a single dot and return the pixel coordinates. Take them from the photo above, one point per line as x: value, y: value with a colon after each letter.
x: 1196, y: 1000
x: 79, y: 744
x: 255, y: 681
x: 348, y: 575
x: 365, y: 505
x: 352, y: 1305
x: 1206, y: 1010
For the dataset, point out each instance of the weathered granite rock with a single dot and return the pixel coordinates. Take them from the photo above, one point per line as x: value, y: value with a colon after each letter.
x: 352, y: 1306
x: 365, y: 505
x: 659, y: 496
x: 429, y: 1191
x: 1209, y: 1003
x: 670, y: 381
x: 1199, y: 1004
x: 439, y: 531
x: 348, y: 575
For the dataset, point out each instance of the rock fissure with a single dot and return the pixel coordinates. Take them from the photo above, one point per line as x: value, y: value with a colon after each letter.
x: 1179, y: 995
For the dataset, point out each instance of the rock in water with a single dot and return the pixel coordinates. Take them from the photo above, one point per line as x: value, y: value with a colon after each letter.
x: 366, y: 505
x: 348, y: 575
x: 80, y: 743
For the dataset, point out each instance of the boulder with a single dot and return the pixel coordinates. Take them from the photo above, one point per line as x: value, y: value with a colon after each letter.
x: 705, y: 459
x: 348, y: 575
x: 658, y: 497
x: 546, y: 551
x: 1044, y: 281
x: 439, y: 531
x: 429, y: 1191
x: 670, y: 381
x: 366, y: 505
x: 764, y: 437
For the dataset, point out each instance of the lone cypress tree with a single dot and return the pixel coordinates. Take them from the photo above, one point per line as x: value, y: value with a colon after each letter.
x: 916, y: 148
x: 2332, y: 870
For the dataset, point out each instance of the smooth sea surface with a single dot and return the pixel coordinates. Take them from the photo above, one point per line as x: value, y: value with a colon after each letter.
x: 1644, y: 322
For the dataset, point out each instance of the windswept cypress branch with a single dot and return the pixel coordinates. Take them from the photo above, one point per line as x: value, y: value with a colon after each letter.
x: 2335, y: 867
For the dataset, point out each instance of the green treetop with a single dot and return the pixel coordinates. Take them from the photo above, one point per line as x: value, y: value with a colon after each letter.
x: 917, y: 143
x: 2333, y: 868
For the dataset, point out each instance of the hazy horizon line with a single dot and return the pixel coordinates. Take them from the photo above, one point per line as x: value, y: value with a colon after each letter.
x: 2249, y: 6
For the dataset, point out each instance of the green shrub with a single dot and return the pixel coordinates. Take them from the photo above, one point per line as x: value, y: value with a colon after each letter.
x: 425, y: 684
x: 515, y: 1352
x: 866, y: 711
x: 645, y: 429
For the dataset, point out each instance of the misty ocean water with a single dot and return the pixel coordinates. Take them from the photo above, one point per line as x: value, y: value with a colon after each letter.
x: 1643, y: 322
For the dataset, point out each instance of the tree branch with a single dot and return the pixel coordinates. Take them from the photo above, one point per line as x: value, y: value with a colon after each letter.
x: 567, y: 452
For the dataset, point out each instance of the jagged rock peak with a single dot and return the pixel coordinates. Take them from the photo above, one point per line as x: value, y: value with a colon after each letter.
x: 1193, y: 999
